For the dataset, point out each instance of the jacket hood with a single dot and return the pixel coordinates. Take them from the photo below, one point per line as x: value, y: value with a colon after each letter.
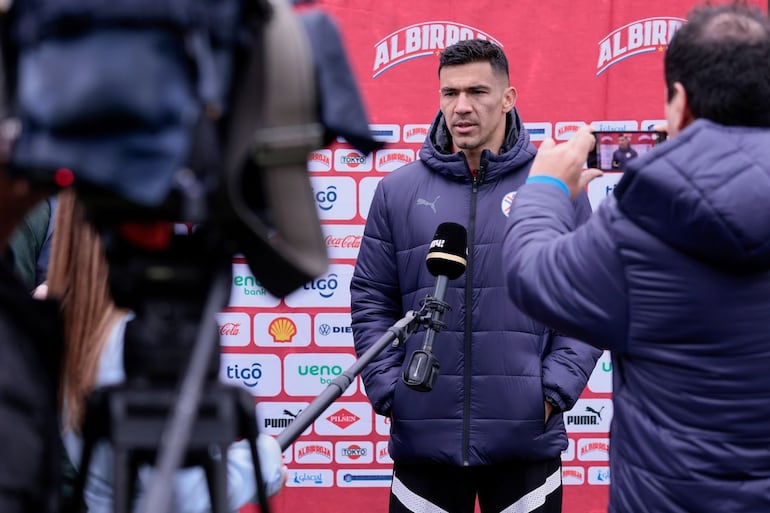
x: 517, y: 151
x: 705, y: 193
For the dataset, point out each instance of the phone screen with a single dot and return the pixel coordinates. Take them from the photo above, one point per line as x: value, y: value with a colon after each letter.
x: 614, y: 150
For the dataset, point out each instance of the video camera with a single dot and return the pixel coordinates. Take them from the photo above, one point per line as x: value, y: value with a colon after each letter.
x: 180, y: 111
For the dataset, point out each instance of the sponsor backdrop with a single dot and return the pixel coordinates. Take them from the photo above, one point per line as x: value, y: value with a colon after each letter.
x: 573, y: 63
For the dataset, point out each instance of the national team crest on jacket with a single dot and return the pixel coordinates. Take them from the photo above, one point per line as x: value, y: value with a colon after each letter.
x: 507, y: 202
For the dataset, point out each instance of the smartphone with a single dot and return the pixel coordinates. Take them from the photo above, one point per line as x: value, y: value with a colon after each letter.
x: 613, y: 150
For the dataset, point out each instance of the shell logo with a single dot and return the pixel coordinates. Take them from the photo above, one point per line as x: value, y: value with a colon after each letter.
x: 282, y: 329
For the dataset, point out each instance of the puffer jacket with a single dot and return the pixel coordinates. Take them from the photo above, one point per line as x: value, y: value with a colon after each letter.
x: 497, y: 365
x: 672, y: 274
x: 31, y: 350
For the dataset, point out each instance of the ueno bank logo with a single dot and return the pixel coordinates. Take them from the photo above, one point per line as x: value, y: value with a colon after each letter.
x: 310, y: 373
x: 421, y: 40
x: 636, y: 38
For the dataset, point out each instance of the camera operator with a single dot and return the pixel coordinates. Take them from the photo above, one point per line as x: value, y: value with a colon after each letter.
x: 94, y: 330
x: 30, y: 347
x: 672, y: 274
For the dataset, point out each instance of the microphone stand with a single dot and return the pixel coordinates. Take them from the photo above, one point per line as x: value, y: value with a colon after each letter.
x: 395, y: 335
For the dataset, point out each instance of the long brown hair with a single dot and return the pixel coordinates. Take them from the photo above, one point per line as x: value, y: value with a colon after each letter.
x: 78, y: 278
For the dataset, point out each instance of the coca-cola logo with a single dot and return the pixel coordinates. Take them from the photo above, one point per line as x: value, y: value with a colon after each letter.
x: 348, y: 241
x: 230, y: 329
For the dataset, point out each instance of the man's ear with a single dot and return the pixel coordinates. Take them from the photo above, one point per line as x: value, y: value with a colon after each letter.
x: 509, y: 99
x: 680, y: 108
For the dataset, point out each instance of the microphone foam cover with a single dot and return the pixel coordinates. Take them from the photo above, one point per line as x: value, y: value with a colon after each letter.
x: 448, y: 251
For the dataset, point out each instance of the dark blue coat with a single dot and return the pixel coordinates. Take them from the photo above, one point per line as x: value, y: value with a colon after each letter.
x: 496, y: 364
x: 672, y: 275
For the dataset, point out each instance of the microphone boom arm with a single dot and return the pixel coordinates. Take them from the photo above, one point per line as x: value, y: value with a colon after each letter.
x: 396, y: 335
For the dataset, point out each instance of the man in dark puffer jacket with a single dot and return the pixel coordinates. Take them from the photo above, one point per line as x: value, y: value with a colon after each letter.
x: 492, y: 424
x: 672, y: 274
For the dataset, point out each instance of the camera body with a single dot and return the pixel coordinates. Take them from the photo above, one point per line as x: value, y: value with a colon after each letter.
x: 614, y: 148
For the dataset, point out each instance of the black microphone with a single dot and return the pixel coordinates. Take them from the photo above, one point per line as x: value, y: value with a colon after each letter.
x: 446, y: 260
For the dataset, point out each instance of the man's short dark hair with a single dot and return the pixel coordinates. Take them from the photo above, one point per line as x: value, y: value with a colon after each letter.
x: 474, y: 50
x: 721, y: 56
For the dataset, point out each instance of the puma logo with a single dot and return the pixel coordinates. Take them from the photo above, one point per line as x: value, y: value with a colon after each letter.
x: 290, y: 414
x: 426, y: 203
x: 597, y: 413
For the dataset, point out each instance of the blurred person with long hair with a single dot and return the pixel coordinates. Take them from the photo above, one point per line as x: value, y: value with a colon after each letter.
x: 94, y: 329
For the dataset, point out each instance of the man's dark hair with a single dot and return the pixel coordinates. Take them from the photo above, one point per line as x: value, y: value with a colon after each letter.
x: 721, y: 56
x: 474, y: 50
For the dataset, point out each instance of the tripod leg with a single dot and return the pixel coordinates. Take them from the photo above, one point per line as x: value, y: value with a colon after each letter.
x: 77, y: 504
x: 123, y: 489
x: 248, y: 426
x: 216, y: 478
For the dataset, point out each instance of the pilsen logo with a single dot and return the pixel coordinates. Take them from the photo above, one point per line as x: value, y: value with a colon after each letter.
x: 343, y: 418
x: 635, y: 38
x: 421, y: 40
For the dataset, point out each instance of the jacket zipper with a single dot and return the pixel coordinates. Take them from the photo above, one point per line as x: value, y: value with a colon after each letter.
x: 477, y: 178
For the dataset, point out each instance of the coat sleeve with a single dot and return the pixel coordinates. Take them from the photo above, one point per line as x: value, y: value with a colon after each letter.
x: 569, y: 279
x: 569, y: 362
x: 376, y: 304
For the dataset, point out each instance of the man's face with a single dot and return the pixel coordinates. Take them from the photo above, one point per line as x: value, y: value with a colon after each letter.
x: 623, y: 142
x: 474, y: 101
